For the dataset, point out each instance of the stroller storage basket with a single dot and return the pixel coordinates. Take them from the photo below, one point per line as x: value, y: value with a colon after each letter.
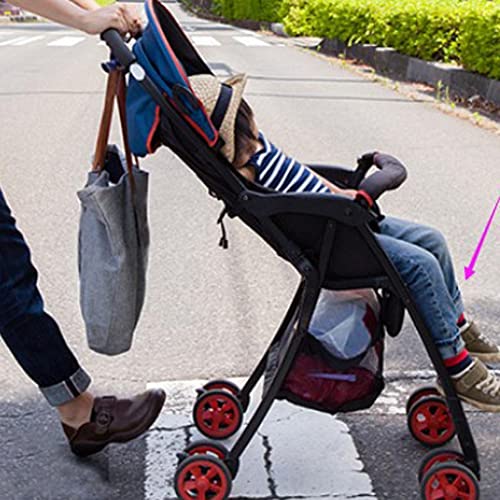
x: 323, y: 382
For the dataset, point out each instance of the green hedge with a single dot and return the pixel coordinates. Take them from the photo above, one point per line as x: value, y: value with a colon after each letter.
x: 462, y: 31
x: 256, y: 10
x: 467, y: 31
x: 480, y: 38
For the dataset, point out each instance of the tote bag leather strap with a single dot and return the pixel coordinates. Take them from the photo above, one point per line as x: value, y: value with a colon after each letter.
x: 115, y: 88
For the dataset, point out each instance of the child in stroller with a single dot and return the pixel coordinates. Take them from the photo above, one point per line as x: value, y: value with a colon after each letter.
x: 418, y: 252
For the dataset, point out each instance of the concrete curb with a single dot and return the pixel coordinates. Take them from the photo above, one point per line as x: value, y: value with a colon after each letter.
x: 402, y: 67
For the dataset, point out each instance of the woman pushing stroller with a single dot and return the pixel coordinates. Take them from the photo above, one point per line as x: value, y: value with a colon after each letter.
x: 418, y: 252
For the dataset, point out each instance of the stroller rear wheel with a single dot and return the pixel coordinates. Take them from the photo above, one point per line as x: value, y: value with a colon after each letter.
x: 227, y: 385
x: 426, y: 390
x: 449, y: 481
x: 438, y: 457
x: 202, y: 477
x: 430, y: 421
x: 218, y: 414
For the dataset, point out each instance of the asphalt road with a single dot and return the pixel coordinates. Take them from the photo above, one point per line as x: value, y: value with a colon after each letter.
x: 211, y: 312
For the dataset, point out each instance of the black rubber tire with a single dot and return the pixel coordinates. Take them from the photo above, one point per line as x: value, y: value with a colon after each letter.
x: 470, y: 483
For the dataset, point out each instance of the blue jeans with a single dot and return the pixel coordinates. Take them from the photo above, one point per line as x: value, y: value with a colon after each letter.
x: 30, y: 333
x: 421, y: 256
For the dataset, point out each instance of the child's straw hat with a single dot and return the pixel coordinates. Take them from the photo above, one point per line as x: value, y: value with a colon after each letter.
x: 209, y: 89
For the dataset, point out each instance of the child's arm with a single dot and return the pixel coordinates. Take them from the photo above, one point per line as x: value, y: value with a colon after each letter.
x: 335, y: 189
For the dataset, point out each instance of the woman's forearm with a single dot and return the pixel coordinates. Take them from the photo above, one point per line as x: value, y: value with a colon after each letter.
x: 86, y: 15
x: 86, y: 4
x: 61, y: 11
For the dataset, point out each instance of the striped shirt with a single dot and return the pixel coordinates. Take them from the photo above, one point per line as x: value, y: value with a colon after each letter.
x: 275, y: 170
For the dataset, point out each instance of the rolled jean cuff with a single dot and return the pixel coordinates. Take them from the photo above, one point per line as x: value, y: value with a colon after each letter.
x: 69, y: 389
x: 450, y: 349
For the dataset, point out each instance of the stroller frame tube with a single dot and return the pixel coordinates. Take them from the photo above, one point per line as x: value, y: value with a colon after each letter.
x: 302, y: 307
x: 455, y: 405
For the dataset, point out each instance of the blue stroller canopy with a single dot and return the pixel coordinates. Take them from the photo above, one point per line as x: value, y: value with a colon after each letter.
x: 169, y: 58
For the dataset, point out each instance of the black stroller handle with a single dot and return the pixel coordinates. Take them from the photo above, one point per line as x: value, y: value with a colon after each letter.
x: 392, y: 173
x: 118, y: 47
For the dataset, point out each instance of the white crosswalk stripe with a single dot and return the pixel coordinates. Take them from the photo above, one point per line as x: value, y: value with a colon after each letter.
x: 251, y: 41
x: 205, y: 41
x: 28, y: 40
x: 13, y: 41
x: 66, y: 41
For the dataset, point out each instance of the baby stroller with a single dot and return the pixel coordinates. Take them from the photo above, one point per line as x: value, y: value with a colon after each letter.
x: 316, y: 235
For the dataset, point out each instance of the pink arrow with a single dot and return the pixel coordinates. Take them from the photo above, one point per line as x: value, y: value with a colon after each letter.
x: 469, y: 270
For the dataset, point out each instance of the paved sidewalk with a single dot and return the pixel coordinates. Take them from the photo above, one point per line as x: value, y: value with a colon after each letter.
x: 296, y: 453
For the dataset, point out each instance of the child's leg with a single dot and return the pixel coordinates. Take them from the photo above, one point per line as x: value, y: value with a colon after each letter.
x: 422, y: 273
x: 431, y: 240
x: 434, y: 242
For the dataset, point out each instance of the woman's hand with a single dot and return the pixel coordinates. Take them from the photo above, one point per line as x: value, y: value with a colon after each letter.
x: 122, y: 17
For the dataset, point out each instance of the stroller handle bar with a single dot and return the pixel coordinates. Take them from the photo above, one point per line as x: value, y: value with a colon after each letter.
x: 118, y: 47
x: 392, y: 173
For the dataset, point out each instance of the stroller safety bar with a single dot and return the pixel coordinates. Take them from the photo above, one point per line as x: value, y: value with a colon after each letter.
x: 391, y: 175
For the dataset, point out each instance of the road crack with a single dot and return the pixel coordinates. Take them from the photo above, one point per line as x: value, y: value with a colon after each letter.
x: 268, y: 465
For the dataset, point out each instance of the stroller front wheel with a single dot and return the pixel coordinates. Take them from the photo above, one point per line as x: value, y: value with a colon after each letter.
x: 449, y: 481
x: 421, y: 392
x: 430, y: 421
x: 437, y: 457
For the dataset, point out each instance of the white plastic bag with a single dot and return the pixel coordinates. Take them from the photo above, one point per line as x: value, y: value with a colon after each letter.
x: 339, y: 324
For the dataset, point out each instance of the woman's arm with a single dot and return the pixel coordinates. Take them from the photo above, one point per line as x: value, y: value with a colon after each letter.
x: 118, y: 16
x: 87, y: 4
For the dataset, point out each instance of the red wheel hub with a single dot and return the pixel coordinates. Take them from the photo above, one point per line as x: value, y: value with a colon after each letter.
x: 218, y: 415
x: 202, y: 480
x: 432, y: 422
x: 450, y: 484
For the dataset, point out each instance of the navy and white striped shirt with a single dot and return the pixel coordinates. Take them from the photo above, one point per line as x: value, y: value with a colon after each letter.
x: 275, y: 170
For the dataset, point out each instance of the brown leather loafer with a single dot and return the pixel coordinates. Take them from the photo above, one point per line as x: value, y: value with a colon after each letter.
x: 115, y: 421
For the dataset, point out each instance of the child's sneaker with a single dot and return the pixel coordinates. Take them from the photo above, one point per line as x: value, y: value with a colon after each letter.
x: 478, y: 345
x: 479, y: 387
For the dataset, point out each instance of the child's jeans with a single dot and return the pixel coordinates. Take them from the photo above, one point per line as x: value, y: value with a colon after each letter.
x: 421, y: 256
x: 29, y: 332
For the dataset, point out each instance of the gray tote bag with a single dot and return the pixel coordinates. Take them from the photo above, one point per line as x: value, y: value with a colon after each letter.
x: 113, y: 239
